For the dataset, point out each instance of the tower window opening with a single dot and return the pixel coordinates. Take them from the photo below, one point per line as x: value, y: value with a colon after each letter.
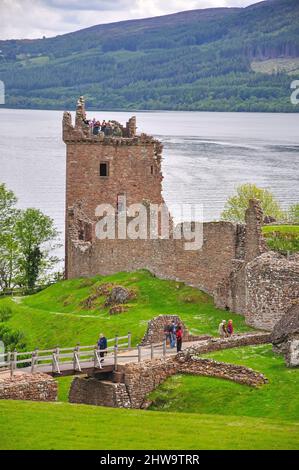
x: 104, y: 169
x: 152, y: 170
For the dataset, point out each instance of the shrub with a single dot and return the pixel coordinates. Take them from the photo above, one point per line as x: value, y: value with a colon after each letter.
x: 12, y: 339
x: 5, y: 313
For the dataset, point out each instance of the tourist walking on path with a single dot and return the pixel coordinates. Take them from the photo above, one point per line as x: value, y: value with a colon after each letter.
x: 230, y: 328
x: 173, y: 334
x: 179, y: 338
x: 167, y: 332
x: 102, y: 344
x: 222, y: 329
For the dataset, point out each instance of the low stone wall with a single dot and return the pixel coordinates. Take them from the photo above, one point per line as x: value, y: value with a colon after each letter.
x: 141, y: 379
x: 222, y: 370
x: 99, y: 392
x: 155, y: 330
x: 236, y: 341
x: 35, y: 387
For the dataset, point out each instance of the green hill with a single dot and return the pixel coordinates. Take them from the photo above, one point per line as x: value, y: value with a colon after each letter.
x: 193, y: 60
x: 59, y: 314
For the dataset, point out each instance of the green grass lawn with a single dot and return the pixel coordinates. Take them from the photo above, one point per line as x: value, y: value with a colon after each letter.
x: 29, y: 425
x: 57, y: 316
x: 281, y: 228
x: 279, y: 399
x: 282, y: 238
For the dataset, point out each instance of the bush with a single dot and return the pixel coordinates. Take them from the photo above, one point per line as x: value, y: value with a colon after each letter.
x: 12, y: 339
x: 5, y: 313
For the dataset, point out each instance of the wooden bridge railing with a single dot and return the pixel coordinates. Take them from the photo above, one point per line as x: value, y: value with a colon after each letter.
x: 79, y: 357
x: 57, y: 357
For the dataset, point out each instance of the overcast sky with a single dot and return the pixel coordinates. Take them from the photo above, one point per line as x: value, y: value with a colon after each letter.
x: 37, y: 18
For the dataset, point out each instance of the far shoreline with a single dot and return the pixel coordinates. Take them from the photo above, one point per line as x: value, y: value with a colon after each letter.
x: 147, y: 111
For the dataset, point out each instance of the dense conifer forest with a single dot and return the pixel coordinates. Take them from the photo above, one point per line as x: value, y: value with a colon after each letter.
x: 194, y: 60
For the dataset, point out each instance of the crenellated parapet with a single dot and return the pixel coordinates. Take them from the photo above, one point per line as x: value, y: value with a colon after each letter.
x: 83, y: 132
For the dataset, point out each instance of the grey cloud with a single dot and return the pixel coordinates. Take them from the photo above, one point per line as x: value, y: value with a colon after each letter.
x: 91, y: 5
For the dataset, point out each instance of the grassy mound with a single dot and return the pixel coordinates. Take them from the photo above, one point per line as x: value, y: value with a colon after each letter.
x: 64, y: 315
x: 278, y: 399
x: 64, y: 426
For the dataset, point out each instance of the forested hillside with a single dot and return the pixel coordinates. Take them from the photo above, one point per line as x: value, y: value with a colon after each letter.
x: 194, y: 60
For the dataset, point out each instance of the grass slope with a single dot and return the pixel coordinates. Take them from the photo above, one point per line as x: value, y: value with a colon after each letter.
x: 64, y: 426
x: 57, y: 316
x: 278, y: 399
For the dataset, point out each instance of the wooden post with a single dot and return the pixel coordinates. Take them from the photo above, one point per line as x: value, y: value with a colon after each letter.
x: 8, y: 359
x: 55, y: 361
x: 34, y: 360
x: 95, y: 357
x: 129, y: 340
x: 115, y: 357
x: 13, y: 362
x: 139, y: 353
x: 152, y: 351
x: 76, y: 356
x: 164, y: 348
x: 116, y: 341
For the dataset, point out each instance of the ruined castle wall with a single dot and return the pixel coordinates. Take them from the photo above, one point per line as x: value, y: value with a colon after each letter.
x: 33, y: 387
x: 272, y: 286
x: 231, y: 292
x: 168, y: 259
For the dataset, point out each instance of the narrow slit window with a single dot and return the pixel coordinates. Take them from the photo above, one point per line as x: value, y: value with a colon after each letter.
x: 104, y: 169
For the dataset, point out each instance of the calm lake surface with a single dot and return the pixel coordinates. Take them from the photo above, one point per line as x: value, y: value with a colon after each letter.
x: 206, y: 155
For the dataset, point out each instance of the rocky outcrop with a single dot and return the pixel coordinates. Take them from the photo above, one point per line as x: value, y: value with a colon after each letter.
x: 118, y: 295
x: 285, y: 336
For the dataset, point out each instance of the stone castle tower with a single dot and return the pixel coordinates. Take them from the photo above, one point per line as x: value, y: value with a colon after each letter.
x: 104, y: 169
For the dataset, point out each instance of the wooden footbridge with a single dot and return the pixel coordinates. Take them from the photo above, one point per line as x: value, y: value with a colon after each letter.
x: 81, y: 359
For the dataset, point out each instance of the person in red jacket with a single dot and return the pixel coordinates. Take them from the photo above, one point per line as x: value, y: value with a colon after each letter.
x: 179, y: 338
x: 230, y: 328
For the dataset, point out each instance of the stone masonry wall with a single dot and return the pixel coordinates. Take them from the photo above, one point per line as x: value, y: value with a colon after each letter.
x: 99, y: 392
x: 272, y: 286
x: 230, y: 293
x: 35, y: 387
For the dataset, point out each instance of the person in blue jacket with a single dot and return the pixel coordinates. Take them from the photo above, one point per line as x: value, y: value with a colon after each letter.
x: 102, y: 344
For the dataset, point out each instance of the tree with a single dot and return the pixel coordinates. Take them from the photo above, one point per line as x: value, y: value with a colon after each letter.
x: 8, y: 244
x: 235, y: 207
x: 34, y: 233
x: 293, y: 213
